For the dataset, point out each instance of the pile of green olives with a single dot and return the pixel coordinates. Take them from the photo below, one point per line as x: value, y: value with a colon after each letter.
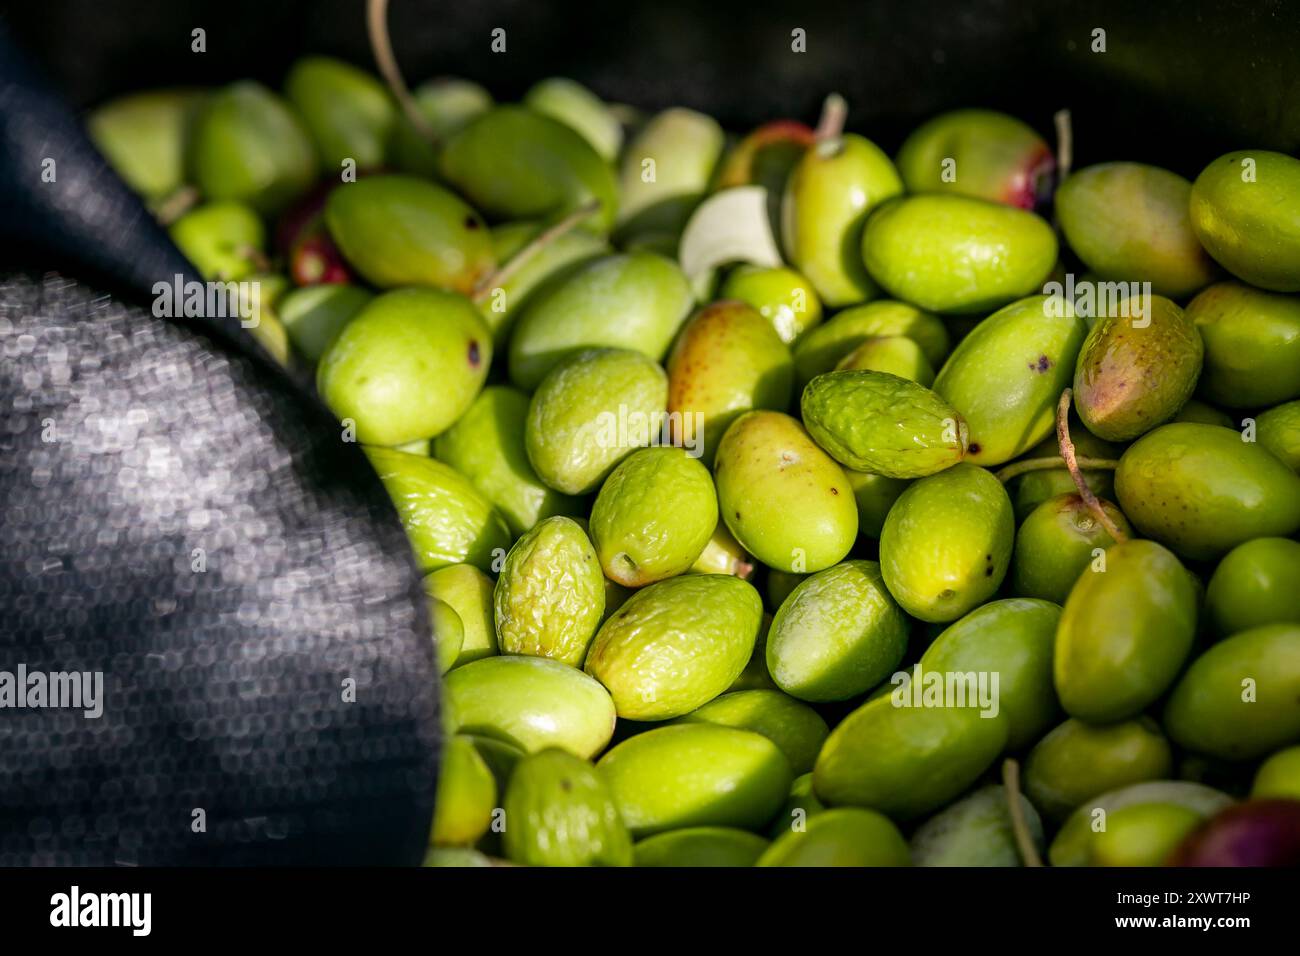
x: 780, y: 501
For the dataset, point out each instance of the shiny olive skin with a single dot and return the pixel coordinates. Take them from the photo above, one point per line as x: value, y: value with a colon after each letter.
x: 666, y: 170
x: 223, y: 240
x: 1078, y: 760
x: 1279, y: 775
x: 347, y: 111
x: 794, y: 727
x: 726, y: 361
x: 647, y: 292
x: 782, y: 296
x: 765, y: 156
x: 638, y: 542
x: 895, y: 354
x: 547, y: 265
x: 580, y: 109
x: 468, y: 591
x: 590, y: 412
x: 786, y: 501
x: 1077, y: 840
x: 487, y: 445
x: 448, y: 633
x: 1135, y: 372
x: 315, y: 315
x: 837, y: 635
x: 845, y: 836
x: 406, y: 366
x: 1006, y: 376
x: 1256, y: 583
x: 1245, y: 209
x: 828, y: 197
x: 1241, y: 698
x: 700, y: 846
x: 1144, y: 834
x: 531, y: 702
x: 957, y: 255
x: 686, y: 775
x: 980, y: 153
x: 906, y: 761
x: 143, y: 135
x: 676, y: 644
x: 1129, y: 222
x: 559, y: 812
x: 826, y: 345
x: 1252, y: 345
x: 1278, y: 430
x: 1013, y: 638
x: 467, y: 793
x: 513, y: 163
x: 1056, y: 543
x: 946, y: 543
x: 447, y: 103
x: 403, y: 231
x: 247, y: 145
x: 1202, y: 490
x: 724, y: 555
x: 1125, y: 632
x: 447, y: 520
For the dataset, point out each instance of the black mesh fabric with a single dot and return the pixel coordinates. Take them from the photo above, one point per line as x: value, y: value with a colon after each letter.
x: 181, y: 518
x: 176, y: 521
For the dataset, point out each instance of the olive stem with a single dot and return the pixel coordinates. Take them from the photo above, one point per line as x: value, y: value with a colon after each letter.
x: 1064, y: 143
x: 511, y: 267
x: 1024, y: 842
x: 176, y: 205
x: 835, y: 110
x: 1016, y: 469
x: 381, y: 45
x: 1072, y: 463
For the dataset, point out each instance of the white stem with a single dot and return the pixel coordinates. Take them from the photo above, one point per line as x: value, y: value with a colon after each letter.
x: 1064, y: 143
x: 835, y: 110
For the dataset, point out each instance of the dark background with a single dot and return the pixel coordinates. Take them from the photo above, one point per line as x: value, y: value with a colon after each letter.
x: 1179, y: 83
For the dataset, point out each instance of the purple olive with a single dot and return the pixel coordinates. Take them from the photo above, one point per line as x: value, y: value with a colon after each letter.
x: 1255, y: 833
